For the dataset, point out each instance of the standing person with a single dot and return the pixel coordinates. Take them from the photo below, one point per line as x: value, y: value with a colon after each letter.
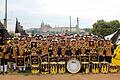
x: 15, y: 52
x: 55, y: 49
x: 1, y: 58
x: 21, y: 54
x: 63, y: 47
x: 101, y: 50
x: 73, y: 47
x: 68, y: 52
x: 82, y: 46
x: 108, y: 51
x: 44, y: 55
x: 6, y: 55
x: 91, y: 45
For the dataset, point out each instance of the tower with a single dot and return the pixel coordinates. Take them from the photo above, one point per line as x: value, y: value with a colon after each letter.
x: 77, y: 27
x: 5, y: 20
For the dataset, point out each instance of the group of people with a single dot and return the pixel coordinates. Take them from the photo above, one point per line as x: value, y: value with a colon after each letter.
x: 52, y: 47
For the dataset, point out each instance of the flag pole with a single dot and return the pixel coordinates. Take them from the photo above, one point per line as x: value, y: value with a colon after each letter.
x: 70, y: 24
x: 5, y: 20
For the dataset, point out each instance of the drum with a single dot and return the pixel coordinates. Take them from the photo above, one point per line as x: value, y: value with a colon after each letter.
x: 53, y: 67
x: 95, y: 67
x: 35, y: 69
x: 34, y: 64
x: 73, y: 65
x: 94, y: 57
x: 113, y: 68
x: 61, y: 67
x: 20, y: 61
x: 85, y: 67
x: 44, y: 67
x: 104, y: 67
x: 84, y: 58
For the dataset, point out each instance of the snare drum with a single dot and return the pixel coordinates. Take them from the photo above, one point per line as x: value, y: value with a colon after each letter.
x: 95, y: 67
x: 53, y: 67
x: 34, y: 64
x: 61, y: 67
x: 113, y: 68
x: 85, y: 67
x: 73, y: 65
x: 104, y: 67
x: 35, y: 69
x: 84, y: 58
x: 44, y: 67
x: 20, y: 61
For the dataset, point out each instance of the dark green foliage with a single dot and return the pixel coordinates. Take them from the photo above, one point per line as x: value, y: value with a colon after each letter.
x: 104, y: 28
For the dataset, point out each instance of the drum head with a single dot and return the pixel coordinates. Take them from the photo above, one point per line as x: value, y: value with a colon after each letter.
x: 73, y: 66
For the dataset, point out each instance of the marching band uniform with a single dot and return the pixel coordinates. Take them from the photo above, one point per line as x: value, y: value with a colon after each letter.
x: 22, y: 50
x: 44, y: 55
x: 73, y: 47
x: 108, y: 51
x: 68, y: 52
x: 54, y: 51
x: 1, y: 59
x: 6, y: 57
x: 63, y: 48
x: 101, y: 50
x: 14, y: 56
x: 15, y: 52
x: 82, y: 46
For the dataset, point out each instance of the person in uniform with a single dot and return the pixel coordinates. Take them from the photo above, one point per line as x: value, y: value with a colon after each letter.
x: 63, y: 47
x: 1, y: 58
x: 15, y: 52
x: 101, y: 50
x: 91, y: 45
x: 68, y: 52
x: 54, y: 50
x: 22, y: 50
x: 44, y: 56
x: 82, y: 46
x: 73, y: 47
x: 28, y: 51
x: 6, y: 55
x: 108, y: 51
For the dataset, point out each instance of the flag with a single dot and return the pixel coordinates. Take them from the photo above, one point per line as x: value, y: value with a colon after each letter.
x: 3, y: 34
x: 19, y: 28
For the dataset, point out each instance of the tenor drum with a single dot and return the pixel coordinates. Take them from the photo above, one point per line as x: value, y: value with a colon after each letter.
x: 34, y: 64
x: 113, y: 68
x: 94, y: 57
x: 84, y: 58
x: 104, y: 67
x: 95, y: 67
x: 61, y: 67
x: 20, y: 61
x: 44, y: 67
x: 85, y: 67
x: 53, y: 67
x: 73, y: 65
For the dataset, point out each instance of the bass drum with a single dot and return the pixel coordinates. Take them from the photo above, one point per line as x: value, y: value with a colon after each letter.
x: 73, y: 65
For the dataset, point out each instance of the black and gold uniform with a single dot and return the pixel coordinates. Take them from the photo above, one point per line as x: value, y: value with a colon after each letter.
x: 108, y: 51
x: 101, y: 50
x: 22, y: 50
x: 1, y: 58
x: 44, y: 55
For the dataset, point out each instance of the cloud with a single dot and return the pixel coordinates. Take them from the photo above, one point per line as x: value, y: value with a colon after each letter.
x: 57, y: 12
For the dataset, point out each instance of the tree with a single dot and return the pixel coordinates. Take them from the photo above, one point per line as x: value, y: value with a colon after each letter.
x: 104, y: 28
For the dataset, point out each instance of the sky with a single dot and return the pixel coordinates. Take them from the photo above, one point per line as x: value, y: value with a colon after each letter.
x: 56, y: 12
